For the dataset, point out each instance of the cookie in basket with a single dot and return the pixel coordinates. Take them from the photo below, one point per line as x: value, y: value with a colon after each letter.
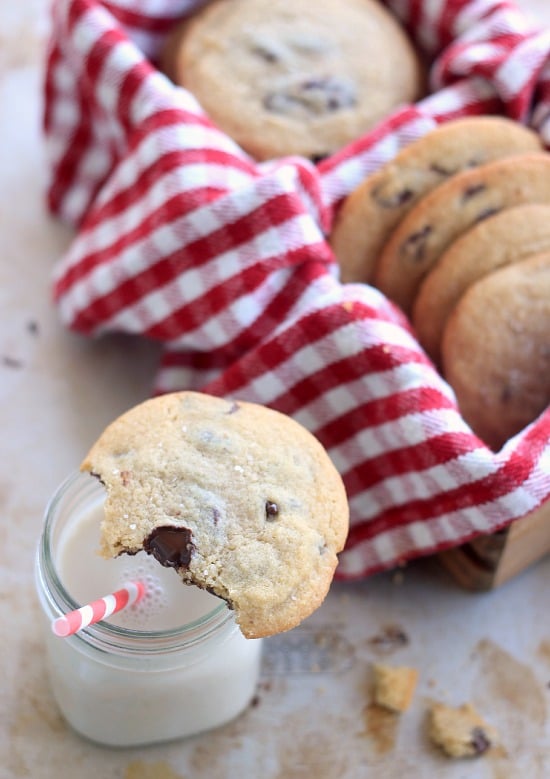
x: 506, y: 237
x: 373, y: 210
x: 293, y: 76
x: 240, y: 499
x: 496, y: 349
x: 448, y: 211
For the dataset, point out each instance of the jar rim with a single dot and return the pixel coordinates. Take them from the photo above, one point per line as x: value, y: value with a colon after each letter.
x: 105, y: 635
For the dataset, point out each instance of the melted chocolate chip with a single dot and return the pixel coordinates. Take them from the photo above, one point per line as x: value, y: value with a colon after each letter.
x: 415, y: 245
x: 271, y: 510
x: 441, y: 170
x: 313, y: 97
x: 264, y: 53
x: 394, y: 200
x: 480, y: 741
x: 472, y: 191
x: 506, y: 394
x: 170, y: 546
x: 486, y: 213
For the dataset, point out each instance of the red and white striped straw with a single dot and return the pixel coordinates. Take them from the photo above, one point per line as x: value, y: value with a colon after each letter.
x: 70, y: 623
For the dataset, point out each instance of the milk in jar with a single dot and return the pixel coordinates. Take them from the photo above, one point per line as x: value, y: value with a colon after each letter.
x: 170, y: 666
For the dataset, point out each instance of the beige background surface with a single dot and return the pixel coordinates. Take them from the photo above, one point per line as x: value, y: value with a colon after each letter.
x: 58, y: 391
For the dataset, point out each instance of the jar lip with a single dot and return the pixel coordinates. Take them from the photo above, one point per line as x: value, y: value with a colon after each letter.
x: 104, y: 631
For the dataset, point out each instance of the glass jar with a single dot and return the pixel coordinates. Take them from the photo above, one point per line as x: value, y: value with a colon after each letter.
x: 122, y: 687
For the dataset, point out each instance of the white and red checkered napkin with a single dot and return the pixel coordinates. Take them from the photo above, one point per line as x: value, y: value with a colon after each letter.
x: 183, y: 238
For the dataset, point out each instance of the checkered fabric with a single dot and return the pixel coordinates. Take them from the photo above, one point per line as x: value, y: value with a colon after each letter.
x: 183, y: 238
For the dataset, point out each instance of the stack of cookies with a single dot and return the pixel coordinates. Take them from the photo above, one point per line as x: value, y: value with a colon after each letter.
x: 456, y: 231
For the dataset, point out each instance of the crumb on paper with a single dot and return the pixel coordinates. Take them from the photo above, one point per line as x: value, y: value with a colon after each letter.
x: 389, y: 639
x: 460, y: 731
x: 394, y: 687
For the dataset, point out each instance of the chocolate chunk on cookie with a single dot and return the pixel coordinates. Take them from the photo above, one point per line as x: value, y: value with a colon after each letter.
x: 293, y: 78
x: 502, y: 239
x: 237, y: 498
x: 450, y: 210
x: 496, y: 349
x: 374, y: 209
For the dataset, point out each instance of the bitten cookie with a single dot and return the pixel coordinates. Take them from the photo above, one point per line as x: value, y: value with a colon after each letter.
x: 448, y: 211
x: 373, y: 210
x: 496, y: 349
x: 295, y: 77
x: 505, y: 238
x: 460, y: 731
x: 239, y: 499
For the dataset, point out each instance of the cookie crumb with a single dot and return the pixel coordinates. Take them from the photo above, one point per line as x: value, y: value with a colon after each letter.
x: 460, y: 732
x: 390, y: 638
x: 394, y: 686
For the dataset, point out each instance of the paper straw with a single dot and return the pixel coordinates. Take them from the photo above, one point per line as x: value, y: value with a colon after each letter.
x: 70, y: 623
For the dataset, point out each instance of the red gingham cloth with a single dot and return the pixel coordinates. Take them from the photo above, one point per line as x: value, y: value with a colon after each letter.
x: 183, y: 238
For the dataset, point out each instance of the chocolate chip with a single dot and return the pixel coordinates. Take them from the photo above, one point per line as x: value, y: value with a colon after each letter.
x: 441, y: 170
x: 264, y: 53
x: 271, y: 511
x: 216, y: 515
x: 485, y: 214
x: 506, y: 394
x: 480, y: 741
x: 394, y: 200
x: 472, y: 191
x: 125, y: 477
x: 313, y: 97
x: 415, y: 244
x: 170, y: 546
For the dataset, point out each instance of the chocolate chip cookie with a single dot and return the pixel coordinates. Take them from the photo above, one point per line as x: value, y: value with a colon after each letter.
x: 373, y: 210
x: 448, y: 211
x: 237, y: 498
x: 296, y: 77
x: 496, y: 349
x: 502, y: 239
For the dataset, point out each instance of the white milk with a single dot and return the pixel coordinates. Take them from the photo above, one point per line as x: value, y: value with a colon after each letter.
x: 171, y: 666
x: 167, y: 604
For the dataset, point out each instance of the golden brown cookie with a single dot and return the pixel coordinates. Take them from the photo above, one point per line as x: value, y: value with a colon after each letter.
x: 239, y: 499
x: 374, y: 209
x: 460, y: 731
x: 448, y: 211
x: 296, y: 77
x: 496, y: 349
x: 502, y: 239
